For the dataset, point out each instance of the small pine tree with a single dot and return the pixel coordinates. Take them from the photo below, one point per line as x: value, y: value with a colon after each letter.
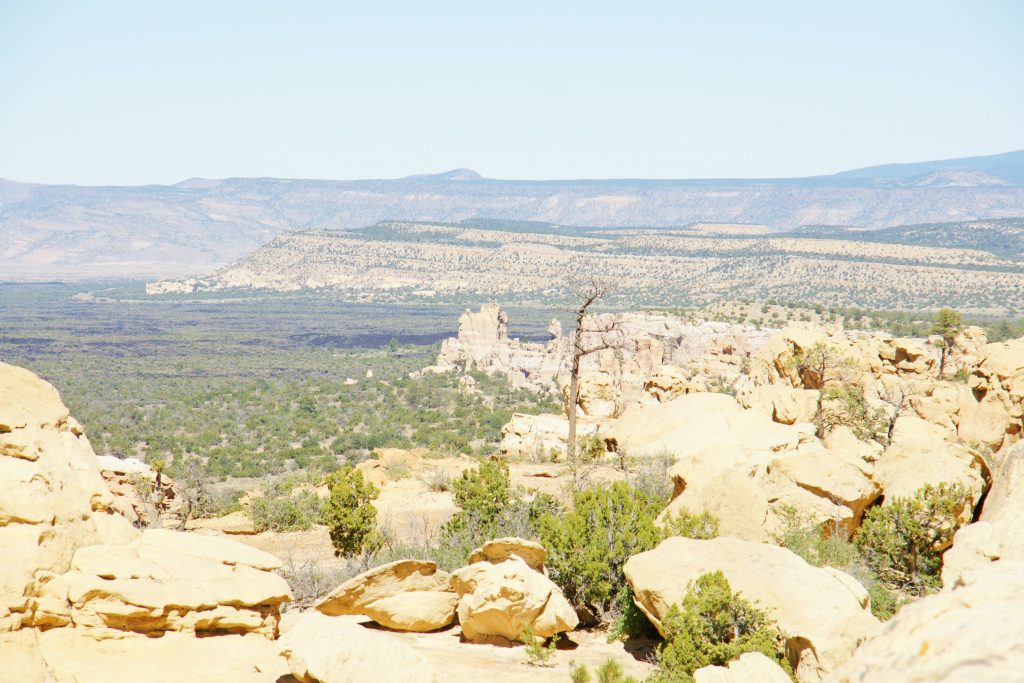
x: 946, y: 323
x: 349, y: 513
x: 903, y: 542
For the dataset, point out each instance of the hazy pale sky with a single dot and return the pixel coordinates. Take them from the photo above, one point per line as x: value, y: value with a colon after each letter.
x: 155, y: 92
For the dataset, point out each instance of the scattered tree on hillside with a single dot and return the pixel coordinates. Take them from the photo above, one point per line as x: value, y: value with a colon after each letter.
x: 588, y: 337
x: 947, y: 324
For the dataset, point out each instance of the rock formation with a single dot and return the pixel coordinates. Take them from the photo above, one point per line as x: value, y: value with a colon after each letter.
x: 81, y: 589
x: 972, y: 632
x: 822, y: 614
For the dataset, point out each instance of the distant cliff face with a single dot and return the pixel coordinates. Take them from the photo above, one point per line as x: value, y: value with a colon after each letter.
x: 197, y: 225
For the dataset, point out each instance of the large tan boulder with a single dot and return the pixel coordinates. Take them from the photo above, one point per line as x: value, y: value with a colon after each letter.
x: 971, y: 632
x: 538, y: 435
x: 702, y: 423
x: 750, y: 471
x: 782, y: 404
x: 500, y: 549
x: 920, y: 454
x: 822, y: 614
x: 323, y: 649
x: 751, y: 667
x: 165, y: 581
x: 420, y: 611
x: 499, y: 601
x: 381, y: 582
x: 754, y: 495
x: 999, y: 533
x: 974, y: 545
x: 599, y: 395
x: 51, y: 491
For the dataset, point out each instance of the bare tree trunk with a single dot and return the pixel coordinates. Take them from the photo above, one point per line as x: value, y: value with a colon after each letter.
x: 574, y: 392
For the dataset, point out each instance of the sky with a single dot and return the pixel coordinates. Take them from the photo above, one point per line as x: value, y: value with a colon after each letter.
x: 131, y: 92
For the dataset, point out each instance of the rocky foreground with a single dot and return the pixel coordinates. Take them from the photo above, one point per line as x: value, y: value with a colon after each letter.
x: 87, y: 595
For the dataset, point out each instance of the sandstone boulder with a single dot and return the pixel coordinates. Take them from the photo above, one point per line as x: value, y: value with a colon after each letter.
x: 972, y: 632
x: 998, y: 534
x: 752, y: 667
x: 919, y: 454
x: 323, y: 649
x: 538, y: 435
x: 500, y: 549
x: 753, y: 495
x: 385, y: 581
x: 822, y: 614
x: 782, y: 404
x: 599, y: 396
x: 414, y: 610
x: 701, y: 423
x: 748, y: 470
x: 498, y: 601
x: 974, y: 545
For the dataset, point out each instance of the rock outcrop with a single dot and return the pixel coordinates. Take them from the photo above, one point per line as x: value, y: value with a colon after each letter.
x: 165, y: 581
x: 746, y: 469
x: 134, y: 486
x: 974, y: 631
x: 499, y: 600
x: 995, y: 416
x: 483, y: 344
x: 998, y: 534
x: 52, y: 497
x: 822, y: 614
x: 920, y: 454
x: 70, y: 560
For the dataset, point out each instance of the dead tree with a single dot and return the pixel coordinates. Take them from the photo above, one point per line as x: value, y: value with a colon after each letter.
x: 897, y: 397
x: 589, y: 337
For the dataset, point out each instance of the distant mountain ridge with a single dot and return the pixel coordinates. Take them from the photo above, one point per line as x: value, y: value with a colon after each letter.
x: 197, y: 225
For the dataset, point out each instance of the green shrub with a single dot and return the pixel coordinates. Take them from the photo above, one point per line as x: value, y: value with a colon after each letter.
x: 588, y: 546
x: 490, y: 508
x: 847, y: 405
x: 629, y: 621
x: 608, y: 523
x: 349, y: 514
x: 713, y: 626
x: 903, y: 542
x: 538, y: 651
x: 481, y: 495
